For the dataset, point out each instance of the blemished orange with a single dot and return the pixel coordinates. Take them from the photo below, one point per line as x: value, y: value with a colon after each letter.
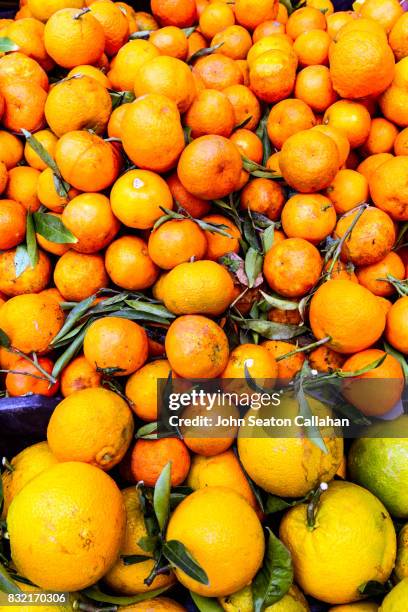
x: 396, y: 330
x: 309, y: 216
x: 251, y: 13
x: 314, y: 86
x: 30, y: 380
x: 99, y: 161
x: 49, y: 141
x: 181, y: 13
x: 255, y: 359
x: 339, y: 138
x: 216, y: 17
x: 303, y: 20
x: 18, y: 65
x: 196, y: 347
x: 312, y: 47
x: 117, y: 344
x: 385, y: 12
x: 347, y: 190
x: 22, y: 187
x: 210, y: 167
x: 348, y: 313
x: 235, y: 40
x: 125, y: 65
x: 374, y: 276
x: 218, y: 71
x: 218, y: 244
x: 33, y: 280
x: 54, y: 248
x: 210, y: 113
x: 169, y: 77
x: 31, y: 321
x: 196, y: 207
x: 388, y: 187
x: 176, y: 242
x: 290, y: 366
x: 149, y: 457
x: 292, y: 267
x: 272, y: 75
x: 263, y: 196
x: 141, y: 388
x: 245, y: 105
x: 76, y: 104
x: 309, y: 161
x: 48, y: 195
x: 351, y: 118
x: 12, y: 224
x: 398, y: 37
x: 248, y: 144
x: 24, y: 104
x: 11, y: 149
x: 152, y: 134
x: 93, y: 72
x: 78, y: 375
x: 381, y: 138
x: 324, y: 359
x: 170, y: 41
x: 137, y: 196
x: 286, y: 118
x: 129, y: 265
x: 79, y: 275
x: 114, y: 24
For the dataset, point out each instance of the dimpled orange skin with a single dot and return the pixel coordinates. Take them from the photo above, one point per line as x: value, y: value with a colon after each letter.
x: 371, y: 276
x: 31, y: 321
x: 152, y: 134
x: 22, y: 187
x: 348, y: 313
x: 149, y: 457
x: 79, y: 275
x: 170, y: 41
x: 71, y: 439
x: 114, y: 342
x: 236, y: 42
x: 372, y: 238
x: 398, y: 37
x: 78, y: 375
x: 292, y: 267
x: 176, y: 242
x: 389, y: 187
x: 286, y: 118
x: 196, y: 347
x: 272, y: 76
x: 251, y: 13
x: 24, y: 104
x: 309, y: 161
x: 309, y: 216
x: 32, y: 280
x: 210, y: 167
x: 396, y: 330
x: 12, y: 223
x: 314, y: 86
x: 263, y: 196
x: 128, y: 263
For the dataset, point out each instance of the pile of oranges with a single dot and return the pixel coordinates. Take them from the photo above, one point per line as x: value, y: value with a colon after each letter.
x: 214, y: 189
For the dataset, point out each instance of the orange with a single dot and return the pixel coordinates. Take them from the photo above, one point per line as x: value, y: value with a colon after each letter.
x: 128, y: 263
x: 388, y: 186
x: 48, y: 195
x: 32, y: 280
x: 324, y: 359
x: 196, y: 41
x: 44, y: 9
x: 52, y: 247
x: 337, y: 20
x: 303, y: 20
x: 385, y: 12
x: 175, y: 242
x: 292, y: 267
x: 181, y: 13
x: 12, y: 224
x: 86, y: 161
x: 54, y: 294
x: 196, y: 347
x: 149, y: 457
x: 210, y: 113
x: 374, y: 276
x: 31, y: 321
x: 244, y: 70
x: 26, y: 382
x: 393, y: 104
x: 78, y: 375
x: 325, y: 6
x: 196, y: 207
x: 236, y: 42
x: 77, y: 275
x: 372, y: 238
x: 170, y: 41
x: 49, y: 141
x: 272, y: 75
x: 141, y: 388
x: 314, y: 87
x: 125, y: 65
x: 309, y: 161
x: 361, y: 65
x: 286, y: 118
x: 256, y: 359
x: 116, y: 343
x: 22, y: 187
x: 152, y: 134
x: 381, y: 137
x: 248, y: 144
x: 263, y: 196
x: 90, y: 219
x: 11, y: 149
x: 266, y: 28
x: 76, y: 104
x: 339, y: 138
x: 347, y: 190
x: 282, y: 15
x: 290, y: 366
x: 396, y: 330
x: 211, y: 443
x: 398, y: 37
x: 218, y: 244
x: 370, y: 164
x: 115, y: 124
x: 140, y: 20
x: 17, y: 65
x: 114, y: 24
x: 92, y: 72
x: 137, y: 196
x: 169, y: 77
x: 24, y: 104
x: 280, y: 42
x: 309, y: 216
x: 72, y: 37
x: 251, y: 13
x: 401, y: 142
x: 210, y: 167
x: 218, y: 71
x: 347, y: 312
x: 340, y: 270
x: 350, y: 117
x: 312, y: 47
x: 28, y: 34
x: 245, y: 105
x: 3, y: 177
x: 215, y: 18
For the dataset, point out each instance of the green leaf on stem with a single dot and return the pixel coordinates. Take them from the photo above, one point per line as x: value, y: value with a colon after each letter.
x: 7, y: 45
x: 133, y: 559
x: 147, y: 432
x: 61, y: 186
x: 271, y: 329
x: 161, y: 496
x: 206, y: 604
x: 275, y: 577
x: 204, y: 52
x: 5, y: 341
x: 399, y: 357
x: 278, y: 302
x: 96, y: 594
x: 177, y: 554
x: 7, y: 584
x: 21, y: 260
x: 253, y: 265
x: 53, y: 229
x: 31, y: 241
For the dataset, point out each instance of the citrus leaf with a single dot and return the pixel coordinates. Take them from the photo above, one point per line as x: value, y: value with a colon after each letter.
x: 268, y: 237
x: 150, y: 309
x: 140, y: 34
x: 361, y: 371
x: 204, y: 52
x: 76, y: 313
x: 278, y: 302
x: 6, y: 45
x: 41, y: 152
x: 148, y: 431
x: 7, y: 585
x: 277, y: 504
x: 21, y: 260
x: 206, y: 604
x: 96, y: 594
x: 271, y: 329
x: 53, y: 229
x: 148, y: 543
x: 253, y: 265
x: 188, y: 31
x: 61, y: 187
x: 214, y: 228
x: 399, y: 357
x: 32, y: 248
x: 133, y: 559
x: 161, y: 496
x: 372, y: 588
x: 69, y: 353
x: 312, y: 432
x: 275, y: 577
x: 243, y: 123
x: 4, y: 339
x: 178, y: 494
x: 178, y: 555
